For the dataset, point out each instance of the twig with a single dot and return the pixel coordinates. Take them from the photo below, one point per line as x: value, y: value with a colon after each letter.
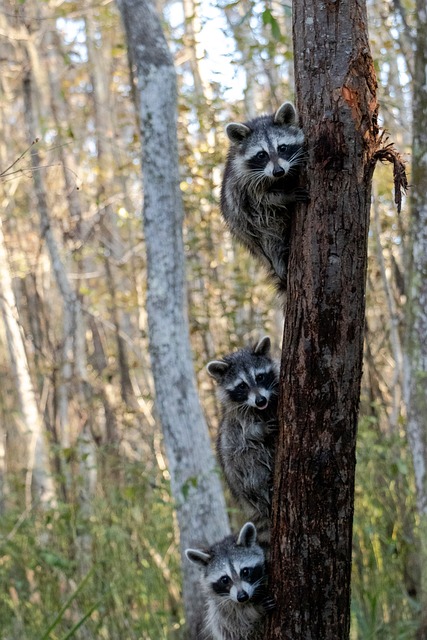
x: 388, y: 153
x: 2, y: 173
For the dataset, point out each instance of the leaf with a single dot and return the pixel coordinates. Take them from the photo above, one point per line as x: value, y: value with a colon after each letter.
x: 190, y: 482
x: 268, y: 18
x: 55, y: 560
x: 63, y: 609
x: 82, y: 620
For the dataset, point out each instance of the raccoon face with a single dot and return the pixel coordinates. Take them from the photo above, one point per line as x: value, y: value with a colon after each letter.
x: 233, y: 569
x: 247, y: 378
x: 238, y: 579
x: 268, y: 147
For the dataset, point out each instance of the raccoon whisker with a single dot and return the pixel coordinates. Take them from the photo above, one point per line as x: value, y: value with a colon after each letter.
x: 294, y: 169
x: 260, y: 581
x: 224, y: 600
x: 257, y: 187
x: 248, y: 176
x: 297, y: 159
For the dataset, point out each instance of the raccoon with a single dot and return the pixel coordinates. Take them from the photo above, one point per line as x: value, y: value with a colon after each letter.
x: 260, y: 186
x: 248, y: 382
x: 234, y: 585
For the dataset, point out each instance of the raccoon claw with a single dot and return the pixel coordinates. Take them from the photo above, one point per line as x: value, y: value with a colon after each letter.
x: 301, y: 195
x: 269, y: 603
x: 272, y: 430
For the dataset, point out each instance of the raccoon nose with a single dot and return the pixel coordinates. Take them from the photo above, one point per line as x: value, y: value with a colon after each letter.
x: 278, y: 171
x: 242, y: 596
x: 261, y: 402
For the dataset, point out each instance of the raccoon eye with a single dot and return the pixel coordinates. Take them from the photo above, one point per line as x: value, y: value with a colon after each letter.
x: 259, y: 377
x: 224, y: 580
x: 261, y: 155
x: 245, y: 573
x: 282, y: 148
x: 241, y: 386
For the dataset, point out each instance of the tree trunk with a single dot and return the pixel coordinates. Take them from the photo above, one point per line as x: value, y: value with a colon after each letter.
x: 73, y: 383
x: 195, y: 484
x: 39, y: 479
x: 324, y: 322
x: 416, y: 345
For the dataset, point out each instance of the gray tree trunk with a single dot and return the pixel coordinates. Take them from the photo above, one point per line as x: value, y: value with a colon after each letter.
x: 73, y: 383
x: 39, y: 478
x: 195, y: 484
x: 416, y: 344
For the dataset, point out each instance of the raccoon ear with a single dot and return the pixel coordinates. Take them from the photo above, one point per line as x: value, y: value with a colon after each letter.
x: 217, y: 368
x: 247, y: 535
x: 262, y: 348
x: 198, y: 557
x: 285, y: 114
x: 237, y: 132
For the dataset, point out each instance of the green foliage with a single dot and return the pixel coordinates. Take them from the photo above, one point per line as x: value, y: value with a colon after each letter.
x: 383, y: 581
x: 132, y: 589
x: 268, y: 18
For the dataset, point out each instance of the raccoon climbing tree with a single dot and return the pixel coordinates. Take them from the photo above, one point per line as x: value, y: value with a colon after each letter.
x: 324, y: 322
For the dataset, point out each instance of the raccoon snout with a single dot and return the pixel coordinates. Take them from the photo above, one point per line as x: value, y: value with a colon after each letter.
x: 261, y: 402
x: 278, y: 171
x: 242, y: 596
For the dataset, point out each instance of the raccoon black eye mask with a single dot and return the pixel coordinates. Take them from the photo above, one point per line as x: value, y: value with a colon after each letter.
x: 261, y: 186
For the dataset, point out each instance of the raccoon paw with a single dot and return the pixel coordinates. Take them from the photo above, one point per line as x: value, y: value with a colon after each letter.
x: 269, y: 603
x: 301, y: 195
x: 272, y: 428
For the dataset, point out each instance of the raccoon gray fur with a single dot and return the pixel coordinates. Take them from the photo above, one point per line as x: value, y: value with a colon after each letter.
x: 248, y: 382
x: 260, y: 185
x: 234, y: 584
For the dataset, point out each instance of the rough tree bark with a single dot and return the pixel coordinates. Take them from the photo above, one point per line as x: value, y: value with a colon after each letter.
x: 324, y: 322
x: 416, y: 344
x: 195, y: 485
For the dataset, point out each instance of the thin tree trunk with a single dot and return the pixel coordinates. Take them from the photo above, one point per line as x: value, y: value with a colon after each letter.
x: 39, y: 478
x: 3, y: 485
x: 195, y: 485
x: 416, y: 345
x: 110, y: 238
x: 324, y: 322
x: 73, y: 380
x: 66, y: 292
x: 395, y: 342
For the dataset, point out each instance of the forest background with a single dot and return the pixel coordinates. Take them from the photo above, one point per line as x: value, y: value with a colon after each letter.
x: 102, y: 560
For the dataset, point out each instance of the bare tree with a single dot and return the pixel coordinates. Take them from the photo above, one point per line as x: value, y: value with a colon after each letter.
x: 416, y: 345
x: 39, y: 479
x: 195, y: 484
x: 73, y: 384
x: 324, y: 323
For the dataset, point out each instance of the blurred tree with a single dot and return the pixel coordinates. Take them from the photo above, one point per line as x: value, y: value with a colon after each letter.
x: 195, y: 484
x: 416, y: 321
x: 39, y: 483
